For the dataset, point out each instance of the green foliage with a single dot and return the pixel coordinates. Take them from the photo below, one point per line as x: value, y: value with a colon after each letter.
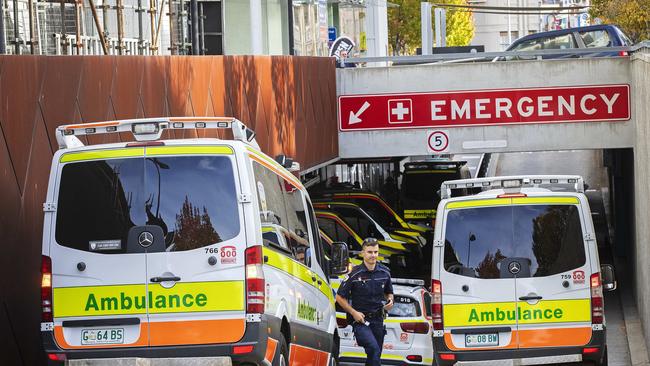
x: 633, y: 16
x: 460, y: 24
x: 404, y: 32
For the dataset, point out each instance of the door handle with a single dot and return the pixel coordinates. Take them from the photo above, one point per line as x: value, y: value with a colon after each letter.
x: 528, y: 298
x: 164, y: 279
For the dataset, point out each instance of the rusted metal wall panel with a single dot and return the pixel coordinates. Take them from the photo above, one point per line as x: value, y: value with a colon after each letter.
x: 289, y: 101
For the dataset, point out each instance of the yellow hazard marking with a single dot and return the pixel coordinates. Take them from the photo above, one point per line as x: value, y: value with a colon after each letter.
x: 419, y: 214
x: 384, y: 356
x: 102, y: 154
x: 297, y: 270
x: 430, y: 171
x: 279, y: 169
x: 134, y: 299
x: 545, y: 200
x: 514, y: 201
x: 405, y: 320
x: 194, y: 150
x: 503, y: 313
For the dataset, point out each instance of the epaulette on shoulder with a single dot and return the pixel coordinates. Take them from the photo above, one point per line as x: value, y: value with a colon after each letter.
x: 383, y: 267
x: 356, y: 269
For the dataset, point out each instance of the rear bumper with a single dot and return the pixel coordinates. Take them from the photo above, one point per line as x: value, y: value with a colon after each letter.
x: 255, y: 335
x: 597, y: 340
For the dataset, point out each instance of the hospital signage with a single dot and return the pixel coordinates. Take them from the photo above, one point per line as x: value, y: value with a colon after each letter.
x: 593, y: 103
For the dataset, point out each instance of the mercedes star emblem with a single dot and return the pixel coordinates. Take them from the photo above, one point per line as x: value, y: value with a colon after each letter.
x: 514, y: 267
x: 145, y: 239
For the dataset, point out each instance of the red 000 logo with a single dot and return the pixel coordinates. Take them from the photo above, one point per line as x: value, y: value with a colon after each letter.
x: 228, y: 254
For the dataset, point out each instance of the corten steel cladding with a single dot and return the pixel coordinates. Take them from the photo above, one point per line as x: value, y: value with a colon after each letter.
x: 290, y: 102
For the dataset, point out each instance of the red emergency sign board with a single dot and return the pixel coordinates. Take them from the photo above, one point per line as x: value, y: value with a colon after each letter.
x: 485, y: 107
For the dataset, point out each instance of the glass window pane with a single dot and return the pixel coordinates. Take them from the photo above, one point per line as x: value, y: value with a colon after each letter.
x: 404, y: 306
x: 478, y: 239
x: 100, y: 200
x: 597, y: 38
x: 193, y: 199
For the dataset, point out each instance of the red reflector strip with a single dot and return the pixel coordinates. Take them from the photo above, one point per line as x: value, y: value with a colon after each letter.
x: 414, y: 358
x: 512, y: 195
x: 590, y: 350
x: 56, y: 356
x: 238, y: 350
x: 143, y: 144
x: 447, y: 356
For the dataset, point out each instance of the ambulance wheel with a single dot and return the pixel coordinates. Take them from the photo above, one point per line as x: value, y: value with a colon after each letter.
x: 283, y: 356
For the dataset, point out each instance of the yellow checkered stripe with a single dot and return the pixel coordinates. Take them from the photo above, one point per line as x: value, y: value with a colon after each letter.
x: 505, y: 313
x: 272, y: 164
x: 136, y: 299
x: 140, y: 152
x: 384, y: 356
x: 296, y: 269
x: 419, y: 214
x: 513, y: 201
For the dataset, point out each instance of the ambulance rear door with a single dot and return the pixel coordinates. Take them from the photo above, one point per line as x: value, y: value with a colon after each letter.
x: 98, y: 280
x: 479, y: 306
x: 553, y: 290
x: 195, y: 279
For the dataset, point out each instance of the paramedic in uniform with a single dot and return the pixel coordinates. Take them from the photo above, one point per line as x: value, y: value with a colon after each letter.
x: 364, y: 295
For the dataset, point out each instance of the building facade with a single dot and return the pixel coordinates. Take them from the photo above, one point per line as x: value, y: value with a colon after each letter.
x: 164, y: 27
x: 496, y: 30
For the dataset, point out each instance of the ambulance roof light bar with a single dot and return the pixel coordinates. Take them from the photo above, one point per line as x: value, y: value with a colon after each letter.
x: 150, y: 129
x: 511, y: 183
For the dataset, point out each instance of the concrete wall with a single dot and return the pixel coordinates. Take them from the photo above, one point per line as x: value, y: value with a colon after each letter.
x: 485, y: 76
x: 288, y: 101
x: 640, y: 72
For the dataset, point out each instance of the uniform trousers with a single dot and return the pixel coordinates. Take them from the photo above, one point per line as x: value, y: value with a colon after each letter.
x: 371, y: 338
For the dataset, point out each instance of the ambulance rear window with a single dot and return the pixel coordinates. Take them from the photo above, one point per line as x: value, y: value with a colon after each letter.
x: 192, y: 198
x: 548, y: 237
x: 404, y: 306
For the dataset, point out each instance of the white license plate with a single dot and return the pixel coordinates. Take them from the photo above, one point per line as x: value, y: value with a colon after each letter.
x: 102, y: 336
x: 481, y: 340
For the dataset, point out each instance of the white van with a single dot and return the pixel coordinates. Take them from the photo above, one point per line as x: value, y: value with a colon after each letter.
x: 516, y: 274
x: 164, y: 249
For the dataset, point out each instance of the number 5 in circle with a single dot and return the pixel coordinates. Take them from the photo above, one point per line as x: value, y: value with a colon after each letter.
x: 438, y: 141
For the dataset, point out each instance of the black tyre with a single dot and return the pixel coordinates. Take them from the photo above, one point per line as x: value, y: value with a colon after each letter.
x: 282, y: 358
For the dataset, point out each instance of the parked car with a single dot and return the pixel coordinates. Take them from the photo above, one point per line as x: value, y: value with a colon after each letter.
x: 408, y: 339
x: 594, y: 36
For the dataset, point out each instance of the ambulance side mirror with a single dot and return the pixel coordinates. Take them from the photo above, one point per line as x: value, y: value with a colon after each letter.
x: 340, y: 258
x: 608, y: 277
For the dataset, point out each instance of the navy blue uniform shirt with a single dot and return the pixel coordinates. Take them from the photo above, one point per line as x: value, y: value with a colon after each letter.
x: 365, y: 289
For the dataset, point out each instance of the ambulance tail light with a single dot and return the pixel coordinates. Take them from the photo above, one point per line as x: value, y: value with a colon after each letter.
x: 420, y: 328
x: 448, y: 357
x: 436, y: 304
x: 597, y: 309
x: 414, y: 358
x: 623, y: 53
x: 46, y: 289
x: 341, y: 322
x: 255, y: 285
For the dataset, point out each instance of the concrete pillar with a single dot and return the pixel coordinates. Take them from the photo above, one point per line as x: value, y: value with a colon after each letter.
x: 377, y: 29
x: 425, y: 21
x: 256, y: 27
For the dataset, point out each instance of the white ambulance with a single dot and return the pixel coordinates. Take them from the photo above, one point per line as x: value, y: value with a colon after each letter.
x: 516, y: 275
x: 165, y: 249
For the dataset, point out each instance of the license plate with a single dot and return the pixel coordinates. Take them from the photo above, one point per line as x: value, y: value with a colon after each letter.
x: 481, y: 340
x: 102, y: 336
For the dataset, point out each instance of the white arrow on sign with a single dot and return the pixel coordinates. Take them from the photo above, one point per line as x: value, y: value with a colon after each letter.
x: 354, y: 117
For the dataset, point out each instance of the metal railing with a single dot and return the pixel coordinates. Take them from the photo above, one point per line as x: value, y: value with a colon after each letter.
x: 92, y: 45
x: 493, y: 56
